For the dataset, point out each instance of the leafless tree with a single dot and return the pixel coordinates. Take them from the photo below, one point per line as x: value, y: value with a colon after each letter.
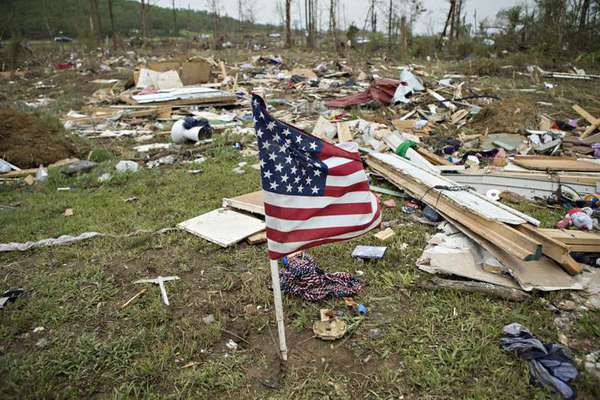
x: 373, y: 12
x: 143, y: 4
x: 95, y: 21
x: 333, y: 23
x: 288, y: 23
x: 311, y: 19
x: 214, y: 8
x: 174, y: 17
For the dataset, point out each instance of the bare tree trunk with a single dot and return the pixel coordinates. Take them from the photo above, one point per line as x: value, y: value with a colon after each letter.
x: 95, y: 22
x: 583, y: 14
x: 288, y: 23
x: 448, y: 21
x: 373, y: 17
x: 310, y: 23
x: 403, y: 35
x: 111, y: 16
x: 390, y: 23
x: 174, y: 17
x: 457, y: 14
x: 333, y: 23
x: 143, y: 19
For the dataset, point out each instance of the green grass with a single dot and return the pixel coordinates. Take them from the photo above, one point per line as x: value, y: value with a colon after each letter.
x: 433, y: 344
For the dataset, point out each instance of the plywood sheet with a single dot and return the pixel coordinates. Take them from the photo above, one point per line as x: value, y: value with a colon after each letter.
x: 223, y: 227
x: 543, y: 163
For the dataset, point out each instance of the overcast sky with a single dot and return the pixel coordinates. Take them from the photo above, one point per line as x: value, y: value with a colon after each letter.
x: 355, y: 11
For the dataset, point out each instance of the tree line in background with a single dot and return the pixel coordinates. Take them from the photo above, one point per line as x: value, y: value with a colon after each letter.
x: 43, y: 19
x: 556, y: 27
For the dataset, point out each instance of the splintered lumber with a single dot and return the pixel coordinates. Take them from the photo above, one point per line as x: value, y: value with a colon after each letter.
x: 432, y: 157
x: 543, y: 274
x: 549, y: 163
x: 595, y: 122
x: 501, y: 292
x: 553, y: 248
x: 257, y: 238
x: 251, y: 202
x: 576, y: 241
x: 344, y: 133
x: 573, y: 236
x: 441, y: 98
x: 473, y: 211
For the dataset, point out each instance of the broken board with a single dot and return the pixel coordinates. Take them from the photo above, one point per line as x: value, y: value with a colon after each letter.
x: 548, y: 163
x: 252, y: 202
x: 223, y: 227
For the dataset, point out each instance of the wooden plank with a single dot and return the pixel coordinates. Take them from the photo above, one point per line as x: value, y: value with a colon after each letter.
x: 251, y: 202
x: 543, y: 274
x: 344, y: 133
x: 553, y: 248
x: 595, y: 122
x: 519, y: 245
x: 441, y: 98
x: 574, y: 237
x: 432, y: 157
x: 466, y: 199
x: 581, y: 111
x: 257, y: 238
x: 548, y: 163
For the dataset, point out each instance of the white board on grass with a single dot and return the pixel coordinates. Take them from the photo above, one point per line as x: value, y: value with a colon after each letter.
x: 223, y: 227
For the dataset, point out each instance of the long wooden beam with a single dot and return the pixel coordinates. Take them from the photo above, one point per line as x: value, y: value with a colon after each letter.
x: 553, y: 248
x: 512, y: 241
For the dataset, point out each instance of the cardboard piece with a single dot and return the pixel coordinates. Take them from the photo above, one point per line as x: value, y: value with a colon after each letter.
x: 191, y: 72
x: 458, y: 255
x: 223, y: 227
x: 159, y: 80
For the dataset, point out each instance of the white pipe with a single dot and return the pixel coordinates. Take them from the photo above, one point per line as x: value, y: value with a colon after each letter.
x: 278, y: 308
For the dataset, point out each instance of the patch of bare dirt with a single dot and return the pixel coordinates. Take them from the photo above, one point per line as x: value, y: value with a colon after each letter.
x: 28, y: 141
x: 509, y: 115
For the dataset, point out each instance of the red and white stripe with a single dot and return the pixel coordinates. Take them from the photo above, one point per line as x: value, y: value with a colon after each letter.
x: 347, y: 209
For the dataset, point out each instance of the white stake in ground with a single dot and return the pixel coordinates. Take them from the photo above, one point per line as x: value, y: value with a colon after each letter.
x: 160, y: 281
x: 278, y: 308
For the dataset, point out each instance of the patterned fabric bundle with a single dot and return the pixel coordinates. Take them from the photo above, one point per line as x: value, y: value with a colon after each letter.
x: 304, y: 278
x: 549, y: 364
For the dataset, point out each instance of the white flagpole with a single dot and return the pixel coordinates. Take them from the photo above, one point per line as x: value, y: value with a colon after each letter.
x: 278, y: 308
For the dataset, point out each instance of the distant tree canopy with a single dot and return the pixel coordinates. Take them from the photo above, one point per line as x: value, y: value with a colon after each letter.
x: 40, y: 19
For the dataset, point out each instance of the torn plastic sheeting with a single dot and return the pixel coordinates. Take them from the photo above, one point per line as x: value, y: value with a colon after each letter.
x: 410, y: 84
x: 59, y: 241
x: 411, y: 80
x: 381, y: 91
x: 68, y: 239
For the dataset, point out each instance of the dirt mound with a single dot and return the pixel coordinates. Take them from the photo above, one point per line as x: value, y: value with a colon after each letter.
x: 27, y: 140
x: 509, y: 115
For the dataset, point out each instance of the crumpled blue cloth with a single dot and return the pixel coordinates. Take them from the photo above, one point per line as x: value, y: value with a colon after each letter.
x: 549, y: 364
x: 191, y: 122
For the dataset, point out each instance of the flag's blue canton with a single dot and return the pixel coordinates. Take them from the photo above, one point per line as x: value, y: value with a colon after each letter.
x: 289, y: 162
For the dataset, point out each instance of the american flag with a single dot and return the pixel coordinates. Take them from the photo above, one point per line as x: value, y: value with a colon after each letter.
x: 315, y: 192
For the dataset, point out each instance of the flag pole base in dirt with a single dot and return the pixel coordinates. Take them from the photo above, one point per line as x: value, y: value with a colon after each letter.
x: 278, y: 308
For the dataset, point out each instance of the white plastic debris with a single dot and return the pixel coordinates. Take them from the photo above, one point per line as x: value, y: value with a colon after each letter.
x: 231, y: 345
x: 126, y: 166
x: 65, y: 239
x: 42, y: 174
x: 104, y: 177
